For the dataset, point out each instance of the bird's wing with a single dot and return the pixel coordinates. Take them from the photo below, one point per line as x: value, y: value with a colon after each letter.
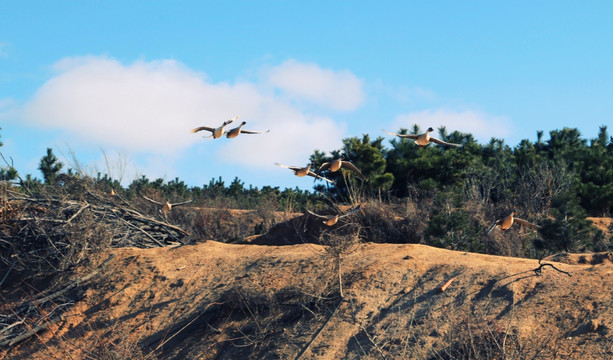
x: 492, y: 227
x: 408, y: 136
x: 357, y: 208
x: 288, y: 167
x: 203, y: 128
x: 229, y: 121
x: 320, y: 177
x: 254, y: 132
x: 350, y: 166
x: 441, y: 142
x: 153, y: 201
x: 323, y: 167
x: 525, y: 223
x: 317, y: 215
x: 182, y: 203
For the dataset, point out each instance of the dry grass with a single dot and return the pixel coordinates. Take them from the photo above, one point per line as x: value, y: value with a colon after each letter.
x: 339, y: 292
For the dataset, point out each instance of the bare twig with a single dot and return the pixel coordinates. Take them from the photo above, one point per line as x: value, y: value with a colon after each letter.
x: 539, y: 270
x: 7, y: 273
x: 74, y: 283
x: 77, y: 213
x: 306, y: 348
x: 31, y: 332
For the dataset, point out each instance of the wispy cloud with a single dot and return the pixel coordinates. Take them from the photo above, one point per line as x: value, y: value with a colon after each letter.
x: 339, y: 90
x: 481, y: 125
x: 148, y: 108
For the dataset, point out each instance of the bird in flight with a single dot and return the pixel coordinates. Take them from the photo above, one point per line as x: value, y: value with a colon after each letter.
x: 239, y: 130
x: 506, y: 222
x: 336, y: 164
x: 166, y: 207
x: 331, y: 220
x: 424, y: 139
x: 216, y: 132
x: 304, y: 171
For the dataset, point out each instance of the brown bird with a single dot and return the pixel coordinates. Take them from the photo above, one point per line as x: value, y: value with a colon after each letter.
x: 216, y: 132
x: 239, y: 130
x: 331, y: 220
x: 505, y: 223
x: 424, y: 139
x: 167, y: 206
x: 304, y: 171
x: 336, y: 164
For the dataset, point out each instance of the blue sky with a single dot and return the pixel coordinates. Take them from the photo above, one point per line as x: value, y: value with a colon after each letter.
x: 116, y: 86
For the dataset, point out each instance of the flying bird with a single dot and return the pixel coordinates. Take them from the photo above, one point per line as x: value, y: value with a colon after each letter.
x: 304, y: 171
x: 336, y: 164
x: 331, y: 220
x: 216, y: 132
x: 505, y: 223
x: 424, y: 139
x: 239, y: 130
x: 167, y: 206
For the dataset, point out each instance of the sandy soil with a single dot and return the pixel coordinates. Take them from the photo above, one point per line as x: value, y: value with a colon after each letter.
x: 604, y: 224
x: 225, y: 301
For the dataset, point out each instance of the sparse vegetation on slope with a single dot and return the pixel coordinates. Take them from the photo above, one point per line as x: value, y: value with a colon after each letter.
x: 211, y: 278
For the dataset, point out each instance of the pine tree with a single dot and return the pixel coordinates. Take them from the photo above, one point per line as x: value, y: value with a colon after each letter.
x: 50, y: 166
x: 9, y: 172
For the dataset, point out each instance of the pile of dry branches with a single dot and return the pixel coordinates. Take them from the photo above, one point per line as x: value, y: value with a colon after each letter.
x: 45, y: 235
x: 32, y: 316
x: 41, y: 231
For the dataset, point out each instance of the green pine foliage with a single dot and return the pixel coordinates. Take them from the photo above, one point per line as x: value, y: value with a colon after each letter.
x: 7, y: 172
x: 457, y: 191
x: 50, y: 166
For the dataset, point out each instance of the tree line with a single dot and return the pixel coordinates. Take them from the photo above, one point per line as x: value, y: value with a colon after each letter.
x: 565, y: 165
x: 557, y: 182
x: 531, y: 173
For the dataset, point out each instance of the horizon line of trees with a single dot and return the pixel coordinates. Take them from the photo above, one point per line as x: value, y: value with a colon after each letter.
x: 450, y: 195
x: 531, y: 173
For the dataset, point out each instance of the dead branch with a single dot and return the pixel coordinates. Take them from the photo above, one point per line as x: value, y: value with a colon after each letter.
x: 539, y: 270
x: 17, y: 325
x: 316, y: 335
x: 445, y: 285
x: 77, y: 213
x: 31, y: 332
x: 74, y: 284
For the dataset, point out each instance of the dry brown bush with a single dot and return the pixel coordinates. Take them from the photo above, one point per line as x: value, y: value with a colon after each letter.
x: 387, y: 222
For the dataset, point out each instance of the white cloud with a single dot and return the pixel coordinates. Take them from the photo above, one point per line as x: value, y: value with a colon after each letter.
x: 339, y: 90
x: 290, y: 142
x: 142, y: 107
x: 149, y: 108
x: 481, y: 125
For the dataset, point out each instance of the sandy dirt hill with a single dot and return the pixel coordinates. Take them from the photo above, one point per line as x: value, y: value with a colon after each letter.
x: 229, y: 301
